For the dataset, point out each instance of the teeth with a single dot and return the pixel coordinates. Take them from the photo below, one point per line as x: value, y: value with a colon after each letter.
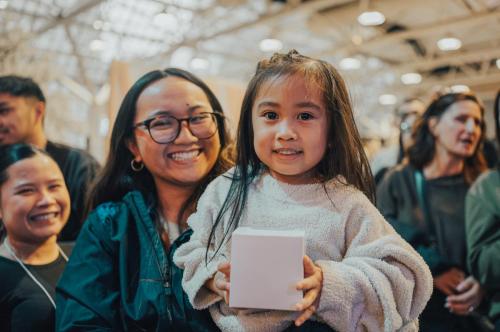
x: 184, y: 155
x: 44, y: 217
x: 287, y: 151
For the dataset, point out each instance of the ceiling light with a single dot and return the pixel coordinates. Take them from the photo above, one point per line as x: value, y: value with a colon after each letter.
x: 3, y: 4
x: 97, y: 45
x: 199, y: 64
x: 166, y: 20
x: 449, y: 44
x: 350, y: 64
x: 371, y: 18
x: 459, y: 88
x: 498, y: 63
x: 270, y: 45
x: 98, y: 24
x: 387, y: 99
x: 411, y: 78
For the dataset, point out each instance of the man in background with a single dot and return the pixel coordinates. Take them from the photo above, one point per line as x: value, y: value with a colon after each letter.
x: 22, y: 111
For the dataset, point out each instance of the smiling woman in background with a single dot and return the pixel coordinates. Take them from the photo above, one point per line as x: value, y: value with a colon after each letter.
x: 34, y: 207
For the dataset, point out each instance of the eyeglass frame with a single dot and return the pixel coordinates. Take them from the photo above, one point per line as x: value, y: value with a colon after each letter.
x: 146, y: 123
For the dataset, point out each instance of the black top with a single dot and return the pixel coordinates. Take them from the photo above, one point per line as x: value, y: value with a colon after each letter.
x: 79, y: 169
x: 24, y: 306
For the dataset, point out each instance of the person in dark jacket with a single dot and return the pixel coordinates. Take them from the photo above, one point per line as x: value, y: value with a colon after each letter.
x: 22, y: 110
x: 482, y: 221
x: 425, y: 200
x: 169, y: 140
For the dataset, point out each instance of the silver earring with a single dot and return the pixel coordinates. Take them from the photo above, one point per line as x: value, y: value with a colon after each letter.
x: 136, y: 166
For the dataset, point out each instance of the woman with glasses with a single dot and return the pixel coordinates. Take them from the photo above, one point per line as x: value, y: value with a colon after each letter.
x: 424, y: 200
x: 169, y: 140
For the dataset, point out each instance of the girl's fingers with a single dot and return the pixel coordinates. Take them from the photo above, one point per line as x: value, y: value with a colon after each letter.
x: 306, y: 314
x: 225, y: 268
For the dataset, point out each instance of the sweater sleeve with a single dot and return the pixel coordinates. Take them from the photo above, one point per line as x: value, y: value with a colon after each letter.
x: 380, y: 284
x: 482, y: 229
x: 198, y: 264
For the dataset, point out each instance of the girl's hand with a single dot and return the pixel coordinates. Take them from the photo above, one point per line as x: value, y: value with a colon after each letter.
x: 469, y: 297
x: 311, y: 285
x: 219, y: 284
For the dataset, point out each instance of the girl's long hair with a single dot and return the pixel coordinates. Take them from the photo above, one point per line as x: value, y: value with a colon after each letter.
x: 117, y: 177
x: 344, y: 156
x: 423, y: 149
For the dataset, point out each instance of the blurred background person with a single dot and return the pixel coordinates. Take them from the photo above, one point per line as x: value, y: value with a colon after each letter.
x: 407, y: 113
x: 22, y: 112
x: 424, y: 200
x: 482, y: 220
x: 34, y: 207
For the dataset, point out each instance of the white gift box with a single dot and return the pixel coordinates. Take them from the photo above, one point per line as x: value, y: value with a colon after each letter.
x: 266, y: 265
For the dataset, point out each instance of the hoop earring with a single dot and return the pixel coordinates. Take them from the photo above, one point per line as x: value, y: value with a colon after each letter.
x: 136, y: 166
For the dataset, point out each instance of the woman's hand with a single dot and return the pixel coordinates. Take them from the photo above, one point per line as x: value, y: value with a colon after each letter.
x: 448, y: 281
x: 311, y: 285
x: 468, y: 296
x: 219, y: 284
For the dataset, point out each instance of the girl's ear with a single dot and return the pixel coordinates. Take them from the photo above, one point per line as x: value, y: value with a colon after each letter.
x: 432, y: 122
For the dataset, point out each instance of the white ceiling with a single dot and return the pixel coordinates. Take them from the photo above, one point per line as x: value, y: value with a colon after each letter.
x: 51, y: 40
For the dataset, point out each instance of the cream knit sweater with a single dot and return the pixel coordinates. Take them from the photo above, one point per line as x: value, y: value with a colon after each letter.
x: 372, y: 279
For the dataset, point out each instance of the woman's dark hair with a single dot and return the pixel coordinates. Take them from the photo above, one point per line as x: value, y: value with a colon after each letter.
x: 11, y: 154
x: 496, y: 112
x: 344, y: 156
x: 117, y: 177
x: 423, y: 149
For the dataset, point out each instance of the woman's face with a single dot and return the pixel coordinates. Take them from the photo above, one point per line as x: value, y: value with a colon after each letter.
x: 187, y: 160
x: 458, y: 130
x: 34, y: 201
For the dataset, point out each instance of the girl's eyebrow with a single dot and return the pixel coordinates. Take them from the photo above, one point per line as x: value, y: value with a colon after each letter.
x: 308, y: 104
x: 267, y: 103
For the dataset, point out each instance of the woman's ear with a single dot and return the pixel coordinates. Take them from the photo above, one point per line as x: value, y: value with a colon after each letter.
x: 134, y: 149
x: 432, y: 123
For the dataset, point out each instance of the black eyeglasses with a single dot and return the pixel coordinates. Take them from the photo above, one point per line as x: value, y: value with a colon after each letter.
x: 164, y: 129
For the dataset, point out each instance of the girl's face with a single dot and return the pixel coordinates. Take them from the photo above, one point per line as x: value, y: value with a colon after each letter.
x: 458, y: 130
x: 290, y: 128
x: 34, y: 201
x: 186, y: 160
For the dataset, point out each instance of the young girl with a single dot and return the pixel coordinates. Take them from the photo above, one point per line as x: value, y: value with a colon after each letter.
x: 300, y: 164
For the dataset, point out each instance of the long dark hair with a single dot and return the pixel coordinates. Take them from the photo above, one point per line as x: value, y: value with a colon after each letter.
x: 117, y: 178
x: 11, y: 154
x: 344, y: 156
x: 423, y: 149
x: 496, y: 112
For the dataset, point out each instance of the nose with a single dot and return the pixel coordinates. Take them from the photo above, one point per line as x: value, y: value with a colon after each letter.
x: 286, y: 131
x: 47, y: 198
x: 470, y: 125
x: 185, y: 135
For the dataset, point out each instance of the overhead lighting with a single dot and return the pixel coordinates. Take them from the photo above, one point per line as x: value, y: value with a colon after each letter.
x: 199, y: 64
x: 449, y: 44
x: 371, y: 18
x: 350, y: 64
x: 459, y: 88
x: 3, y: 4
x: 166, y: 20
x: 387, y: 99
x: 96, y: 45
x: 98, y: 24
x: 498, y: 63
x: 411, y: 78
x: 270, y: 45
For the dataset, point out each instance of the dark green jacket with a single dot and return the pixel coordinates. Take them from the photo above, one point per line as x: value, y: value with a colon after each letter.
x: 120, y: 278
x: 483, y: 235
